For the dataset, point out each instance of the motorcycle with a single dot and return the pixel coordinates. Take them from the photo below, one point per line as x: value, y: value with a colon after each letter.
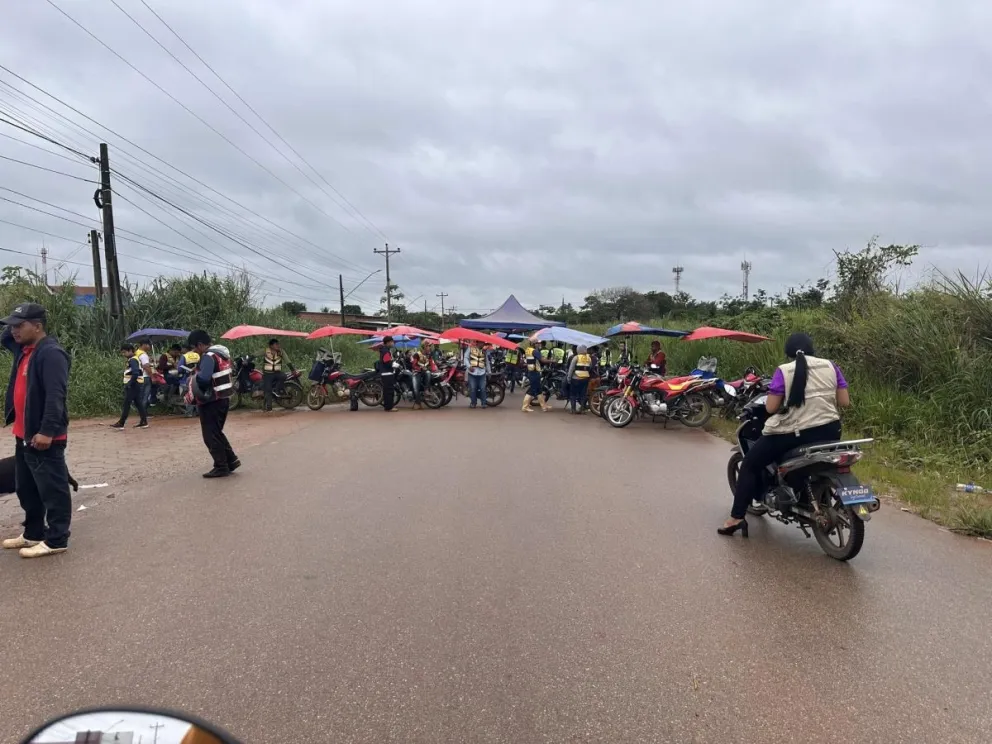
x: 330, y: 380
x: 129, y: 724
x: 812, y: 486
x: 248, y: 386
x: 606, y: 381
x: 747, y: 388
x: 679, y: 398
x: 433, y: 395
x: 495, y: 385
x: 721, y: 394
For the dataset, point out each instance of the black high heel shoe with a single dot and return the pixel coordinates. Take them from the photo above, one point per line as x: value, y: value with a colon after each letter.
x: 742, y: 526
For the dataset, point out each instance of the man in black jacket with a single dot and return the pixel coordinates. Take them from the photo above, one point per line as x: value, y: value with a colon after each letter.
x: 36, y: 406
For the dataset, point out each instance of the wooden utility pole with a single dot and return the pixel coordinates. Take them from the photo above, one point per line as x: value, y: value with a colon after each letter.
x: 104, y: 202
x: 97, y: 270
x: 387, y: 252
x: 341, y: 294
x: 442, y: 295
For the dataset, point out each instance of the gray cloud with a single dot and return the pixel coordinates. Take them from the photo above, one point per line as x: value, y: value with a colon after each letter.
x: 544, y: 148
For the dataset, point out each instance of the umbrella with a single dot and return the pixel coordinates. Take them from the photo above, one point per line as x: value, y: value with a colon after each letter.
x: 332, y: 330
x: 244, y: 331
x: 568, y: 336
x: 467, y: 334
x: 511, y: 336
x: 637, y: 329
x: 402, y: 342
x: 707, y: 332
x: 405, y: 331
x: 157, y: 333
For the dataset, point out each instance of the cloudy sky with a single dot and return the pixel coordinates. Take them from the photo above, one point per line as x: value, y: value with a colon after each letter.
x: 540, y: 147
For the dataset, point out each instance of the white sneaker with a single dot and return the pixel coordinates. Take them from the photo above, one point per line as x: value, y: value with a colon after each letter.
x: 15, y: 543
x: 40, y: 550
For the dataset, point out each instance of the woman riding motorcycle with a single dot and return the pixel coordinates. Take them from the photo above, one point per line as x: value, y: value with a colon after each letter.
x: 814, y: 390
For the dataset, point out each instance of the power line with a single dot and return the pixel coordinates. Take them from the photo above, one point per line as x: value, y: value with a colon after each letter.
x: 42, y: 136
x: 38, y: 147
x: 49, y: 170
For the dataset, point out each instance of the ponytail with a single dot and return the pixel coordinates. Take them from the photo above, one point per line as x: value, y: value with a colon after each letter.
x: 797, y: 347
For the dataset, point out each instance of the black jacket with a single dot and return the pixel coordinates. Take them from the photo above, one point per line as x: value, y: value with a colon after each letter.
x: 45, y: 410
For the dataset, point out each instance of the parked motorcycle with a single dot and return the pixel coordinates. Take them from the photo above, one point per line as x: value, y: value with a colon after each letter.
x: 433, y: 395
x: 330, y: 382
x: 812, y: 486
x: 748, y: 387
x: 680, y: 398
x: 248, y: 386
x: 495, y: 385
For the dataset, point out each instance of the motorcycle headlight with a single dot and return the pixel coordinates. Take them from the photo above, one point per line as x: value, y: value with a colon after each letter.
x: 729, y: 390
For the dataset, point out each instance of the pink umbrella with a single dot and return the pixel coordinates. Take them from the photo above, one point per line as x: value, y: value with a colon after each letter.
x: 467, y: 334
x: 244, y: 331
x: 708, y: 332
x: 332, y: 330
x: 405, y: 331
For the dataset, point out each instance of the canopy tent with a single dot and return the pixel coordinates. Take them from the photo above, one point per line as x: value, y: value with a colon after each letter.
x: 634, y: 328
x: 568, y: 336
x: 467, y: 334
x: 244, y: 331
x: 333, y: 330
x: 510, y: 316
x: 157, y: 333
x: 704, y: 333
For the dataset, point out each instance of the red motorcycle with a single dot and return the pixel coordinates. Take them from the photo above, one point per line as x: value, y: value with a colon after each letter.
x: 495, y: 385
x: 329, y: 380
x: 678, y: 398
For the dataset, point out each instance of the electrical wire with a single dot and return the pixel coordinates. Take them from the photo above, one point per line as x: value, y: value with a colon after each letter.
x: 49, y: 170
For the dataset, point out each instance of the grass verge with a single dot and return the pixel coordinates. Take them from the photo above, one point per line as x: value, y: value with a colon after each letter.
x: 926, y: 487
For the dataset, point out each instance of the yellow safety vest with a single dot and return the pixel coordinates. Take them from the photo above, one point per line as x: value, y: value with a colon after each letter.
x: 127, y: 373
x: 558, y: 354
x: 273, y: 362
x: 512, y: 357
x: 533, y: 361
x: 583, y: 363
x: 477, y: 358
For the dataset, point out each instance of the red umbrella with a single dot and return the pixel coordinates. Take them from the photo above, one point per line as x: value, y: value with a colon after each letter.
x: 404, y: 331
x: 467, y: 334
x: 332, y: 330
x: 244, y: 331
x: 707, y: 332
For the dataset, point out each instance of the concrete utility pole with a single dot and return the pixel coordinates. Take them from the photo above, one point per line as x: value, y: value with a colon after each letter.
x: 387, y: 252
x: 104, y: 202
x: 97, y: 270
x: 678, y: 277
x: 442, y: 295
x: 341, y: 294
x: 746, y: 270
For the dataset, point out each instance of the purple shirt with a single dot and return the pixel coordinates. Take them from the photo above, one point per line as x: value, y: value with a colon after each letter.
x: 777, y: 385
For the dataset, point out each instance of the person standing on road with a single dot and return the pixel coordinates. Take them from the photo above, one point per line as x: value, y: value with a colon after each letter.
x: 211, y: 387
x: 273, y: 377
x: 512, y: 361
x: 36, y: 406
x: 477, y: 369
x: 134, y: 389
x: 145, y: 360
x: 386, y: 373
x: 579, y: 371
x: 533, y: 359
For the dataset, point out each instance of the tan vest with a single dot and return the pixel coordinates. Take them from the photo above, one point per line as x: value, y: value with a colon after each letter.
x: 821, y: 399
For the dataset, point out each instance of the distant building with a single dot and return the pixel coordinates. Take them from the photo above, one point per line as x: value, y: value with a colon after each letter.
x: 98, y: 737
x: 85, y: 296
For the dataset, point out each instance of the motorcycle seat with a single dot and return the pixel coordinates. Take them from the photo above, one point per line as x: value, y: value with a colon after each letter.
x: 361, y: 375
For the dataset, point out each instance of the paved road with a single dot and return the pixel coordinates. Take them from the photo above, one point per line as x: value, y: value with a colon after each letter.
x: 495, y: 577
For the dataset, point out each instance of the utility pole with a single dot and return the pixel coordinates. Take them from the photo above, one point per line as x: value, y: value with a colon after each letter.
x: 156, y: 727
x: 341, y: 294
x: 104, y: 203
x: 442, y: 295
x: 746, y: 270
x: 387, y: 252
x: 44, y: 262
x: 97, y: 271
x: 678, y: 277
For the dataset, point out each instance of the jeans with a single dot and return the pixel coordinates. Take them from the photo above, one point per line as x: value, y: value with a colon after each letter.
x: 421, y: 380
x: 271, y: 381
x: 134, y: 393
x: 768, y: 450
x: 146, y: 391
x: 43, y: 490
x: 213, y: 416
x: 476, y: 389
x: 577, y: 390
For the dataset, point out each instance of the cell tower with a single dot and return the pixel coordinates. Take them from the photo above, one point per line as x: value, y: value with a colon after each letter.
x: 746, y: 271
x: 678, y: 277
x: 44, y: 262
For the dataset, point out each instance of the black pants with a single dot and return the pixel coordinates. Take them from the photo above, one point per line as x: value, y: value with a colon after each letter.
x: 767, y: 450
x: 271, y: 381
x: 43, y: 490
x: 577, y: 392
x: 388, y: 392
x: 213, y: 416
x: 134, y: 393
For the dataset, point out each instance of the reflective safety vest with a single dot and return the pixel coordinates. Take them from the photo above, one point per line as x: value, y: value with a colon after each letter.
x: 583, y: 363
x: 141, y: 375
x: 273, y: 362
x: 533, y: 361
x: 222, y: 380
x: 476, y: 358
x: 512, y: 357
x: 558, y: 354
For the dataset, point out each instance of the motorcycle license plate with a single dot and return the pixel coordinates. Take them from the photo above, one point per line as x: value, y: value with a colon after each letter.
x: 851, y: 495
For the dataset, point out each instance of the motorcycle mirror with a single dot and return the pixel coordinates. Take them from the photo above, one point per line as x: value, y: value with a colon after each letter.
x: 128, y: 726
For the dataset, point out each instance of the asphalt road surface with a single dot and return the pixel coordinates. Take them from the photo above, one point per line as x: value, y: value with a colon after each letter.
x: 490, y: 576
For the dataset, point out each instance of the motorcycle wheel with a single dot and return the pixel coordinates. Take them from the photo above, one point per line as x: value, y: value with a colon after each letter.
x: 733, y: 473
x: 619, y: 412
x: 700, y: 410
x: 433, y: 398
x: 604, y: 404
x: 449, y: 394
x: 495, y: 394
x: 834, y: 542
x: 292, y: 396
x: 596, y: 402
x: 371, y: 394
x: 315, y: 398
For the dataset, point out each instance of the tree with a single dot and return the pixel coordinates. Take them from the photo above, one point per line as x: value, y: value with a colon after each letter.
x: 391, y: 297
x: 325, y: 309
x: 293, y: 307
x: 867, y: 273
x: 353, y: 310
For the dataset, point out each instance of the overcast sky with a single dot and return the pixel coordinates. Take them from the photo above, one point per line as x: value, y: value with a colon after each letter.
x: 539, y: 147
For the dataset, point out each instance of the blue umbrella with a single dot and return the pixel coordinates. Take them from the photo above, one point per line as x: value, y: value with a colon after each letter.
x: 157, y: 333
x: 569, y: 336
